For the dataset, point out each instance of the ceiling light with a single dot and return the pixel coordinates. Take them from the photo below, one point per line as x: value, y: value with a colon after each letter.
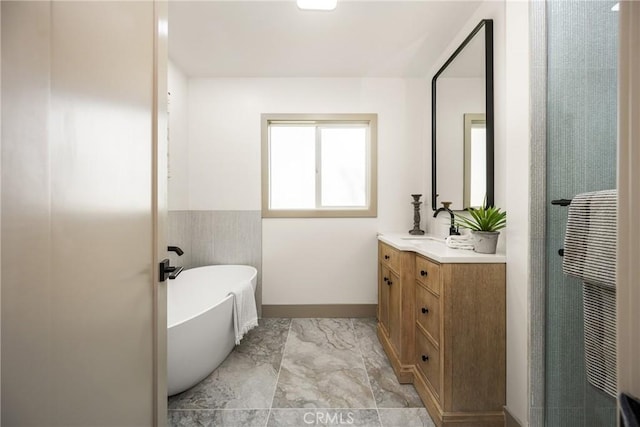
x: 616, y: 7
x: 317, y: 4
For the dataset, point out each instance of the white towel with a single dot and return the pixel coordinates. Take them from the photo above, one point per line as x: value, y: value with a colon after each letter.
x: 245, y: 314
x: 460, y: 242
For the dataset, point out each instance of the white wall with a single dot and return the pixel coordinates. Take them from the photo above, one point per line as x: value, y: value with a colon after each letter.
x: 178, y: 139
x: 308, y: 261
x: 516, y: 180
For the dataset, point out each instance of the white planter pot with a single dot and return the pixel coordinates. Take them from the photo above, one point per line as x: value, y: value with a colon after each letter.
x: 485, y: 242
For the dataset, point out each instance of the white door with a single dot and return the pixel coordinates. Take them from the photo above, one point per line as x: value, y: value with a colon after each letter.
x: 82, y: 333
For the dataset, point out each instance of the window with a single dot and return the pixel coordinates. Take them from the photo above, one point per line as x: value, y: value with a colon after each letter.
x: 319, y: 165
x: 475, y: 160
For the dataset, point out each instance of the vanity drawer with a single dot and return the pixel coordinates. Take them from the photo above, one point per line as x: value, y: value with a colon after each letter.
x: 389, y: 256
x: 428, y: 361
x: 428, y: 273
x: 428, y: 312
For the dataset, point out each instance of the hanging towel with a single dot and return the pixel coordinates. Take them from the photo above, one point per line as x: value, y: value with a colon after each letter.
x: 590, y: 255
x: 599, y: 303
x: 245, y: 314
x: 590, y: 241
x: 459, y: 242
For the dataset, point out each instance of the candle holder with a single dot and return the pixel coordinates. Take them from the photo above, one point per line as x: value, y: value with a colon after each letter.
x: 416, y: 215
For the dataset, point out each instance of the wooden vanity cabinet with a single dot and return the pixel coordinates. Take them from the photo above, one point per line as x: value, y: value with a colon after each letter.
x: 443, y: 328
x: 396, y: 294
x: 460, y: 337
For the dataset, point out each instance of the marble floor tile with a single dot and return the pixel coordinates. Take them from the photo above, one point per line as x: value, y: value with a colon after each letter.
x: 322, y: 367
x: 266, y: 342
x: 322, y: 334
x: 316, y: 372
x: 388, y: 392
x: 323, y: 417
x: 406, y: 417
x: 247, y: 378
x: 219, y: 418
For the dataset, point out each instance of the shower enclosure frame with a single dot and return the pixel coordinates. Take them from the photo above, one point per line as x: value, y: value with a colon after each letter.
x: 537, y: 194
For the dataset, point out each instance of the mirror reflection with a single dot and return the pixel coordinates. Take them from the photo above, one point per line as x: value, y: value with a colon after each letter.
x: 463, y: 127
x: 475, y: 159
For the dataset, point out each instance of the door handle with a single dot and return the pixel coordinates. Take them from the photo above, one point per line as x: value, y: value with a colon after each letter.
x: 168, y: 271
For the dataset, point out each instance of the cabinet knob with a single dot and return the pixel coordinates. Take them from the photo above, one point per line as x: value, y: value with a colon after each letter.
x: 425, y: 310
x: 386, y: 279
x: 423, y: 273
x: 386, y: 257
x: 425, y: 358
x: 389, y: 282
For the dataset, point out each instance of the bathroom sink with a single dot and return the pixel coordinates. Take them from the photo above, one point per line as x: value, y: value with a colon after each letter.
x: 431, y: 246
x: 423, y: 238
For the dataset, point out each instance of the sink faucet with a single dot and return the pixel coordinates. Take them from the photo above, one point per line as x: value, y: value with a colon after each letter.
x: 453, y: 230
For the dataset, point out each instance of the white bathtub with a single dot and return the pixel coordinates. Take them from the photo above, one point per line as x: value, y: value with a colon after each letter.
x: 199, y: 320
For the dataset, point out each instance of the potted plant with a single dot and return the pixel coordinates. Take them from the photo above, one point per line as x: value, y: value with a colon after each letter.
x: 485, y: 223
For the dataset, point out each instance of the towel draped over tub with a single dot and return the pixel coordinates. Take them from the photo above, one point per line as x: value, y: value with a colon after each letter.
x: 245, y: 314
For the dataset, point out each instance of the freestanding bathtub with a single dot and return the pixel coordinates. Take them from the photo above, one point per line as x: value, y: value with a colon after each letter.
x: 200, y: 331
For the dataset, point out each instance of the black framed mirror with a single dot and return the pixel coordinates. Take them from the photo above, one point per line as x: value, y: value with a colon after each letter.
x: 462, y: 124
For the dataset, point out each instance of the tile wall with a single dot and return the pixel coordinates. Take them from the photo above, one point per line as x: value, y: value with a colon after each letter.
x: 218, y: 237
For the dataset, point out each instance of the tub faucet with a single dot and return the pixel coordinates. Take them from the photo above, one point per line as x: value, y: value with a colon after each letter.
x: 453, y: 229
x: 175, y: 249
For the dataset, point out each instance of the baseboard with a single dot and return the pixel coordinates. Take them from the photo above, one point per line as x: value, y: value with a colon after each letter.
x: 510, y: 420
x: 320, y: 310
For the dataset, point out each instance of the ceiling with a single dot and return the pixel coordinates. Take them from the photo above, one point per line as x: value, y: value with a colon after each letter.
x: 238, y: 38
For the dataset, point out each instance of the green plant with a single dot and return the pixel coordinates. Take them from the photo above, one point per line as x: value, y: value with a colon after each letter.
x: 485, y: 218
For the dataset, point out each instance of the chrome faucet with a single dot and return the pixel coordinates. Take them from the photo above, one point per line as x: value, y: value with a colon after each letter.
x: 453, y: 229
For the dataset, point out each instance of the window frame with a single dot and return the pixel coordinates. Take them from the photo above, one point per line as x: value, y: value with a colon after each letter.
x: 369, y: 211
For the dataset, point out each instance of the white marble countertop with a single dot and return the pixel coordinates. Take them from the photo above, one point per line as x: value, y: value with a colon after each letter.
x: 434, y: 248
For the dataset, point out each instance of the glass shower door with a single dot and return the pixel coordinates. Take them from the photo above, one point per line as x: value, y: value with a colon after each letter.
x: 582, y: 43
